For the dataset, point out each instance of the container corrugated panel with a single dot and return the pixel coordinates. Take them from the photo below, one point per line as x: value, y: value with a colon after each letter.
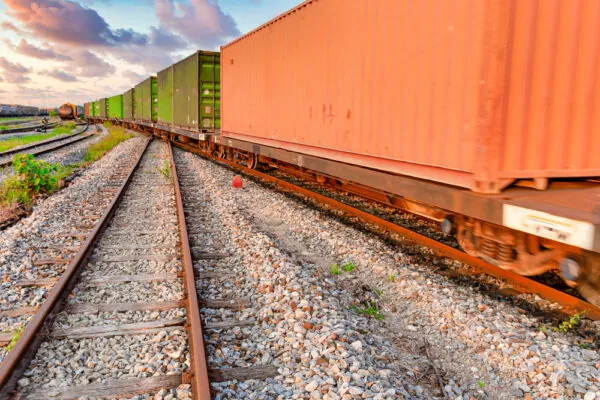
x: 165, y: 96
x: 86, y: 110
x: 185, y: 92
x: 115, y: 106
x: 473, y: 94
x: 128, y: 105
x: 197, y: 91
x: 153, y: 98
x: 103, y: 108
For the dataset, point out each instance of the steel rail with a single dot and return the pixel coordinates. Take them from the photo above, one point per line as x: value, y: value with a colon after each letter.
x: 27, y: 128
x: 199, y: 370
x: 18, y: 359
x: 571, y: 304
x: 21, y: 149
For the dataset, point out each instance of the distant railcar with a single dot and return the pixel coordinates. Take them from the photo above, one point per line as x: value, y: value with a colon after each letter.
x: 68, y: 111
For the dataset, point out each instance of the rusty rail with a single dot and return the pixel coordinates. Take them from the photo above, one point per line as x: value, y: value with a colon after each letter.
x: 17, y: 360
x: 199, y: 369
x: 571, y: 304
x: 22, y: 149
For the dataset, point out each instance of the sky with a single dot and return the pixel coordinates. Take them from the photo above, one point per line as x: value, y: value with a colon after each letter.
x: 58, y: 51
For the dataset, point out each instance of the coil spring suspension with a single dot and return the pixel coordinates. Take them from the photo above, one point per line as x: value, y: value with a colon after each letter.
x: 489, y: 248
x: 505, y: 253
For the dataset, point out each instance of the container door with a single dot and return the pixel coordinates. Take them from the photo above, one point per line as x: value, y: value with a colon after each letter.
x: 210, y: 91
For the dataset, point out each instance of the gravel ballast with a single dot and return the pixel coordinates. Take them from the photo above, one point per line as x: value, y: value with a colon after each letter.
x: 438, y: 333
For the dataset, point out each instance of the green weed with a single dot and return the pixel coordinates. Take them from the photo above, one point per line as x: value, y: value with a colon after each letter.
x: 165, y: 169
x: 15, y: 338
x: 481, y: 384
x: 567, y: 326
x: 348, y: 266
x: 31, y: 178
x: 335, y: 269
x: 370, y: 310
x: 115, y: 136
x: 392, y: 277
x: 378, y: 292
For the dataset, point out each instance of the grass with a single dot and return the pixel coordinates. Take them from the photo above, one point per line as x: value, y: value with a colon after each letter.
x: 65, y: 128
x: 31, y: 178
x: 392, y: 277
x: 369, y: 309
x: 115, y: 136
x: 20, y: 141
x: 481, y: 384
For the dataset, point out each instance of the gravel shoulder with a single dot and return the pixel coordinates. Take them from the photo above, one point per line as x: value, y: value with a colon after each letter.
x: 443, y: 332
x: 44, y: 234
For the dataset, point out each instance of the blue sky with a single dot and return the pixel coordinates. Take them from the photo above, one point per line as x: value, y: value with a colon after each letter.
x: 76, y: 51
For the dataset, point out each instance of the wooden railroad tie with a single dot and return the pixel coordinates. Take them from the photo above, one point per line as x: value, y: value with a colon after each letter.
x: 139, y: 328
x: 235, y: 303
x: 114, y: 388
x: 115, y: 279
x: 242, y: 373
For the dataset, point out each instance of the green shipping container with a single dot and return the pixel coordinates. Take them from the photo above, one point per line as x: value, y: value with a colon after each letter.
x: 197, y: 92
x: 145, y: 99
x: 91, y: 109
x: 97, y: 108
x: 115, y: 107
x: 103, y: 108
x: 128, y: 105
x: 165, y: 96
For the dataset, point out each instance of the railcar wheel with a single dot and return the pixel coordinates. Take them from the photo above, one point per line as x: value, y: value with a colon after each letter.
x: 585, y: 271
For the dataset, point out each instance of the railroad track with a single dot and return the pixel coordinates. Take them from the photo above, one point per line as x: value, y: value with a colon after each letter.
x: 520, y: 284
x: 134, y: 270
x: 28, y: 128
x: 46, y: 146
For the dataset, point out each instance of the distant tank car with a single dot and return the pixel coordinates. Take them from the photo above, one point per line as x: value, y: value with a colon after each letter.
x: 67, y: 111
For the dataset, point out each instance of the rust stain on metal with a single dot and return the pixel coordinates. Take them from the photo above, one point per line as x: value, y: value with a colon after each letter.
x: 199, y: 378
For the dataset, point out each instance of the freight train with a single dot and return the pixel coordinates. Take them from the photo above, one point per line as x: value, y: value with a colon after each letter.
x: 16, y: 110
x: 482, y: 116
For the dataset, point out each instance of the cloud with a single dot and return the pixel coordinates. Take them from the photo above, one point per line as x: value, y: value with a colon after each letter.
x: 69, y: 23
x: 30, y: 50
x: 14, y: 72
x: 9, y: 26
x: 133, y: 76
x: 202, y: 22
x: 87, y: 64
x: 60, y: 75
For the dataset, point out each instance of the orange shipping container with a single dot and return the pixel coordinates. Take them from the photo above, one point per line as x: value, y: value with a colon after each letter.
x: 467, y: 92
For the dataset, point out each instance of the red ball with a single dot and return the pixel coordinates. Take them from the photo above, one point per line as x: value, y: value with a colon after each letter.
x: 237, y: 182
